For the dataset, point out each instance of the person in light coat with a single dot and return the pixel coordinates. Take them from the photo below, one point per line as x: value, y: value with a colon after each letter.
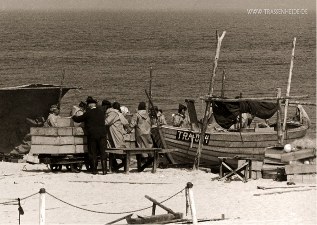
x: 52, y: 117
x: 116, y: 122
x: 142, y: 123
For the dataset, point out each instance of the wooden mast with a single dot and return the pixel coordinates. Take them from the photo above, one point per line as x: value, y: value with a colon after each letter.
x: 278, y: 114
x: 288, y: 90
x: 208, y: 103
x: 223, y: 84
x: 150, y: 85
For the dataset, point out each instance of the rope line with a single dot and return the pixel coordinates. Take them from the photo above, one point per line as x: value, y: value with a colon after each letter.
x: 16, y: 200
x: 113, y: 213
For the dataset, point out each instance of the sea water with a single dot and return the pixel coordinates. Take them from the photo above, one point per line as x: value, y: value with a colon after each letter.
x: 109, y: 54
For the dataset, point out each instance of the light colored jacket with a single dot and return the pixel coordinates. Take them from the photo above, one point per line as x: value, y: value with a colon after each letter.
x: 51, y: 120
x: 180, y: 120
x: 116, y: 122
x: 142, y: 123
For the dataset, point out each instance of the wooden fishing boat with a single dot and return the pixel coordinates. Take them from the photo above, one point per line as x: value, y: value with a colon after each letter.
x: 249, y: 143
x: 199, y: 145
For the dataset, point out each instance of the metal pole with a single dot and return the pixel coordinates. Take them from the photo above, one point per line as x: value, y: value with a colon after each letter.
x: 42, y: 206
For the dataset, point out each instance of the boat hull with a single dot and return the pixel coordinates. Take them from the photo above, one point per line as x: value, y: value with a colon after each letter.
x: 224, y: 144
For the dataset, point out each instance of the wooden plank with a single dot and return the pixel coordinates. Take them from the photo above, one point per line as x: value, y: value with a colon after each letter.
x: 300, y: 169
x: 271, y: 167
x: 301, y: 154
x: 160, y: 205
x: 274, y: 152
x: 231, y: 143
x: 48, y: 131
x: 302, y: 178
x: 58, y: 140
x: 151, y: 219
x: 247, y: 136
x: 56, y: 131
x: 55, y: 149
x: 273, y: 161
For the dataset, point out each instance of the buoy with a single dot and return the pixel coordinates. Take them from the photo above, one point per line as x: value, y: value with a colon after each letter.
x: 306, y: 162
x: 287, y: 148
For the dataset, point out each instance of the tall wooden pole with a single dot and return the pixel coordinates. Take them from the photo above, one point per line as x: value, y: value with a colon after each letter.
x: 208, y: 103
x: 223, y: 84
x: 278, y: 114
x: 288, y: 90
x: 150, y: 85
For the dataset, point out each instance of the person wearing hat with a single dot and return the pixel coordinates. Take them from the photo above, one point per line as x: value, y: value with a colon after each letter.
x: 52, y: 117
x: 94, y: 120
x: 181, y: 119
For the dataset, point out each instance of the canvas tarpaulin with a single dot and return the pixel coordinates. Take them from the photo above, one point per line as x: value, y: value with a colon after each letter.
x: 226, y: 113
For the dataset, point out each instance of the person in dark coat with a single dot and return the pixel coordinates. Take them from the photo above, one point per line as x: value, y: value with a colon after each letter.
x: 94, y: 119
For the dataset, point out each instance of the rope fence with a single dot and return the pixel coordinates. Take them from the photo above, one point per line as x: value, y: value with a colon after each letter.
x: 112, y: 213
x: 16, y: 202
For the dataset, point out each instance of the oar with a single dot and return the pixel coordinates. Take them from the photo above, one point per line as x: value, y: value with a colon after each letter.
x: 168, y: 155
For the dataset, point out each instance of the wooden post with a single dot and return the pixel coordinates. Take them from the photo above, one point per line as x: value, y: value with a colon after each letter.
x: 223, y: 84
x: 155, y: 160
x: 208, y: 103
x: 288, y: 89
x: 153, y: 209
x: 127, y: 163
x: 42, y: 206
x: 192, y: 202
x: 278, y: 115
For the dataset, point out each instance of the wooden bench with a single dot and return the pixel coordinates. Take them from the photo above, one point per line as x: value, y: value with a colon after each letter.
x: 128, y: 152
x: 245, y: 166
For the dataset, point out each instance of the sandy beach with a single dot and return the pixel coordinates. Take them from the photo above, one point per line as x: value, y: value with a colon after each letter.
x: 241, y: 203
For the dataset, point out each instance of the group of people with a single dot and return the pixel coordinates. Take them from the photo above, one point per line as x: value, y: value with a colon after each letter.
x: 107, y: 124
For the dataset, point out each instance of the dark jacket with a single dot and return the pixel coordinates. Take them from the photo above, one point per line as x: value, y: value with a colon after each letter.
x: 94, y: 120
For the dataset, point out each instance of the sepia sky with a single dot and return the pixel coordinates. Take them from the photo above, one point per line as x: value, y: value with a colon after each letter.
x: 154, y: 4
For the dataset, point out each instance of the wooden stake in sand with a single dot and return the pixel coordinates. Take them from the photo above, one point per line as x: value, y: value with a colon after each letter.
x: 42, y: 206
x: 288, y: 89
x: 192, y: 202
x: 208, y: 103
